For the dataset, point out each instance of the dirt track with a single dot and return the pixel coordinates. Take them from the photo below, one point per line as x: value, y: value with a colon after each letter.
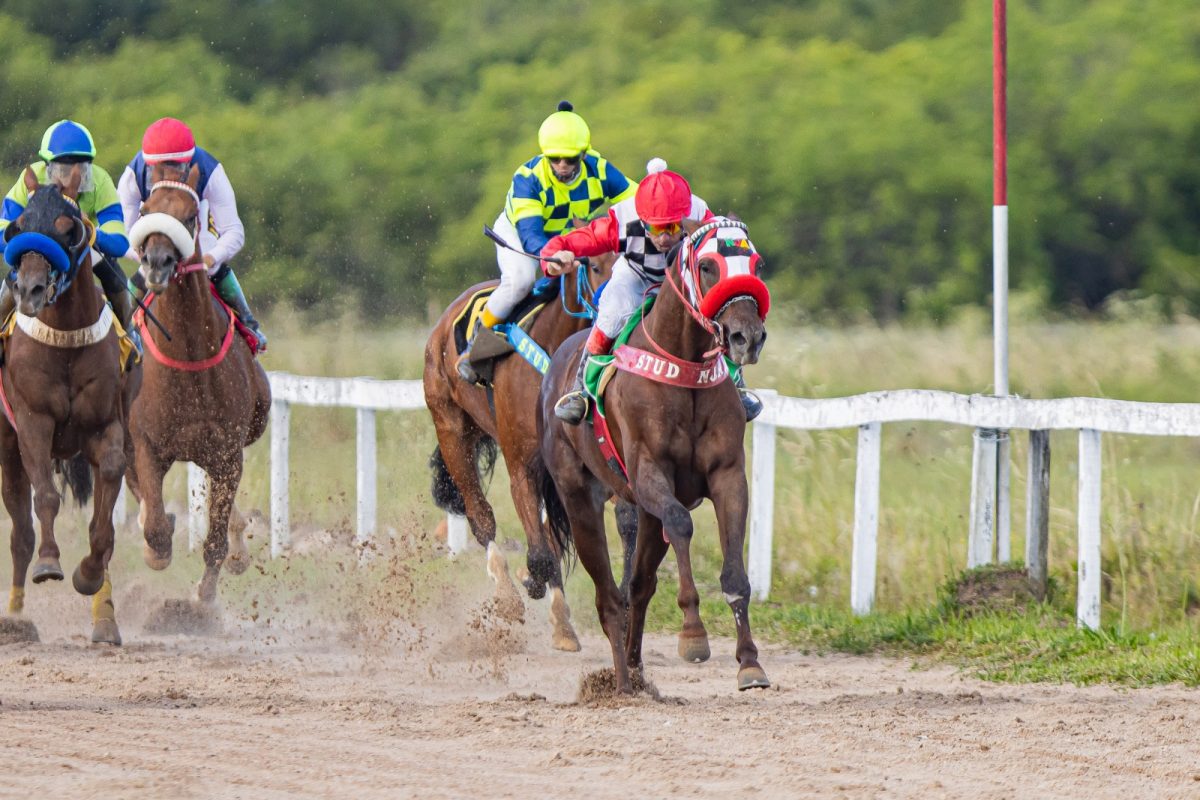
x: 471, y: 709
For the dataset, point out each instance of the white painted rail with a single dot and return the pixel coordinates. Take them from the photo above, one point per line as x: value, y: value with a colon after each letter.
x: 867, y: 412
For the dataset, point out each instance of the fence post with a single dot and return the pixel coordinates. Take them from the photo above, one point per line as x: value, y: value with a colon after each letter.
x: 1003, y: 497
x: 366, y: 465
x: 197, y: 481
x: 981, y: 538
x: 762, y: 501
x: 866, y: 519
x: 1037, y: 521
x: 281, y: 533
x: 1087, y: 604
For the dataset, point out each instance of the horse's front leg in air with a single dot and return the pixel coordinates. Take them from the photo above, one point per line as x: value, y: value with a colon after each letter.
x: 656, y: 495
x: 106, y: 454
x: 730, y: 501
x: 158, y: 527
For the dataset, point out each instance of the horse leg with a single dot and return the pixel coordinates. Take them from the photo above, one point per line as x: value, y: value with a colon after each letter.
x: 14, y: 485
x: 627, y: 527
x: 641, y: 578
x: 225, y: 480
x: 157, y: 526
x: 238, y: 560
x: 38, y: 464
x: 656, y: 495
x: 106, y: 454
x: 542, y: 558
x: 730, y: 500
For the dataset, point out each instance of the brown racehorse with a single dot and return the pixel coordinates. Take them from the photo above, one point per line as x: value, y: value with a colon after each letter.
x: 69, y: 398
x: 205, y: 398
x: 679, y: 443
x: 468, y: 428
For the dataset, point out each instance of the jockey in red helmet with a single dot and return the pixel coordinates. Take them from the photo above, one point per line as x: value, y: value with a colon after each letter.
x: 170, y: 144
x: 567, y: 180
x: 643, y: 229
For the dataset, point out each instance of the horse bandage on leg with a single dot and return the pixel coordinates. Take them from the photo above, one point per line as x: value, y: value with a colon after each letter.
x: 102, y: 602
x: 16, y: 599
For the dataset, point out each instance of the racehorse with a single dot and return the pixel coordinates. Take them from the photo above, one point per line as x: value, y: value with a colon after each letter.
x: 66, y: 398
x: 205, y: 397
x: 675, y: 428
x: 470, y: 420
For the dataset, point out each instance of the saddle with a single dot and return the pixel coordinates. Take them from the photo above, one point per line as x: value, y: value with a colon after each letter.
x: 491, y: 346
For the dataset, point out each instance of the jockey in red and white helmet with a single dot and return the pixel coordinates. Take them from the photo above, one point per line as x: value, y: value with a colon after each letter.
x: 169, y: 143
x: 643, y: 229
x: 568, y: 180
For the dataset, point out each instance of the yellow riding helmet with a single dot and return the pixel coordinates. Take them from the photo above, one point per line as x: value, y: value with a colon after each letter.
x: 564, y: 133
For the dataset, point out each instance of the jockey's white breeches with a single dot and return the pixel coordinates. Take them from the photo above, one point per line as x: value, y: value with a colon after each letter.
x: 622, y: 295
x: 517, y: 272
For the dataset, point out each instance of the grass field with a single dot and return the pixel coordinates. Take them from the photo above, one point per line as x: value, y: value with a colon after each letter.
x: 1151, y: 549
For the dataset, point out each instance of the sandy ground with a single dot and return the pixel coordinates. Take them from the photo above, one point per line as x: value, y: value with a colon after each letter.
x: 458, y: 705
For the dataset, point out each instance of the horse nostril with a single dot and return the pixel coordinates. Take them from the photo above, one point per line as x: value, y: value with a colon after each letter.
x: 738, y: 339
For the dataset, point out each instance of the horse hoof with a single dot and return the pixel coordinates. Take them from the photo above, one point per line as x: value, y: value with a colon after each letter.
x: 752, y: 678
x: 694, y: 649
x: 105, y: 631
x: 47, y: 569
x: 85, y: 585
x: 567, y: 641
x: 237, y: 563
x: 153, y: 559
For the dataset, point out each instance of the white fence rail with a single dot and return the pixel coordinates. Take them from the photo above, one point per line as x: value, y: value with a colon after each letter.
x: 867, y: 412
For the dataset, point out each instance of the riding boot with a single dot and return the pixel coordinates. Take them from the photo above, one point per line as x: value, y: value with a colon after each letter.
x: 231, y: 292
x: 572, y: 407
x: 750, y: 402
x: 466, y: 370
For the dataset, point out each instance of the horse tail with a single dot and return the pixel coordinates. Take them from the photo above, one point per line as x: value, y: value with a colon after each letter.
x: 556, y: 512
x: 446, y: 494
x: 76, y: 474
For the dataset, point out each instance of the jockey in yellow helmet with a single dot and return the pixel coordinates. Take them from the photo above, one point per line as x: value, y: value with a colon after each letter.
x: 567, y: 180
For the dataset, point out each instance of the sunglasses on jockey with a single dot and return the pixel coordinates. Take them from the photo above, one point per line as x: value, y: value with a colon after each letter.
x: 670, y: 229
x: 570, y: 161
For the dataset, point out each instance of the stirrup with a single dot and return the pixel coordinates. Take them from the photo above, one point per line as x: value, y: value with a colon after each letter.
x: 572, y: 407
x: 750, y: 404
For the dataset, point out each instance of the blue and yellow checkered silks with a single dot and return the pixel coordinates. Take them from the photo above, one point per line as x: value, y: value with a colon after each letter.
x: 540, y: 206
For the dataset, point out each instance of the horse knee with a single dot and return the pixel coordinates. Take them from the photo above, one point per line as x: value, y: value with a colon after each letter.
x: 678, y: 522
x: 112, y: 466
x: 735, y: 585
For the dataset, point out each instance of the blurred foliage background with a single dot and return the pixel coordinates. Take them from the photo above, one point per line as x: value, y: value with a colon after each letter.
x: 368, y: 141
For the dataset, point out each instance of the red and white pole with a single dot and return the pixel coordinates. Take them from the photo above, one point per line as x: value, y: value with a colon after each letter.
x: 1000, y: 192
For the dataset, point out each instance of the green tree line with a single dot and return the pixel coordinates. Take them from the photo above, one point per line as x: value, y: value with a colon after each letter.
x: 369, y: 142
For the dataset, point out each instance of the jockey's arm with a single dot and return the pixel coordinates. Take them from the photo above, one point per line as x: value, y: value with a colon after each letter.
x: 131, y: 205
x: 14, y: 203
x: 111, y: 238
x: 596, y: 238
x: 222, y: 207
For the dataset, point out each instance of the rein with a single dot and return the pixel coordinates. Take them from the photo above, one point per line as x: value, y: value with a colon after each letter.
x: 585, y: 303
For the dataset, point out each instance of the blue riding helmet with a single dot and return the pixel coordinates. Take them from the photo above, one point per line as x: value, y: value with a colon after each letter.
x: 67, y: 139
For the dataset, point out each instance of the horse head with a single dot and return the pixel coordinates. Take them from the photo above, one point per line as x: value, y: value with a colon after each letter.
x: 719, y: 267
x: 167, y: 233
x: 46, y: 244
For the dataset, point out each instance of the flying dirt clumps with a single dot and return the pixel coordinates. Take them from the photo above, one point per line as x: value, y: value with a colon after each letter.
x: 599, y: 688
x: 14, y: 630
x: 186, y: 617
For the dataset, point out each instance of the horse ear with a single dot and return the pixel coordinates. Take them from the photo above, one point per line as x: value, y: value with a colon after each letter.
x: 31, y: 184
x: 193, y: 178
x: 12, y: 230
x: 71, y: 188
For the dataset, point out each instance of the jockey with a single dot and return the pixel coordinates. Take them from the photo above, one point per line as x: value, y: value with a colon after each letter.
x: 68, y: 147
x: 567, y: 180
x: 643, y: 229
x: 170, y: 144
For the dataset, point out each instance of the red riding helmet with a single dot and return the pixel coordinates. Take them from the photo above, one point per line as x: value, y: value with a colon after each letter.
x: 663, y: 196
x: 168, y: 139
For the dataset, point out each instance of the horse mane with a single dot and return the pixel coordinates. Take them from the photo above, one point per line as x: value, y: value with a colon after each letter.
x: 44, y: 208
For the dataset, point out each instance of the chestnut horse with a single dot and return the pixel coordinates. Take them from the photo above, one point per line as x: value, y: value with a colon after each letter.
x: 677, y: 443
x: 205, y: 398
x: 469, y: 422
x: 65, y: 395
